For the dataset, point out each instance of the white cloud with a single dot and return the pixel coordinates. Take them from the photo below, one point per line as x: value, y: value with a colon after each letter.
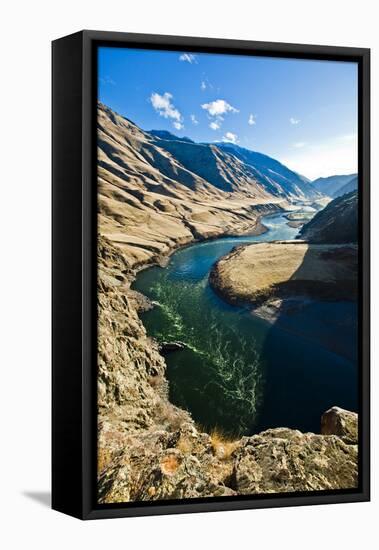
x: 215, y: 111
x: 215, y: 124
x: 229, y: 137
x: 252, y: 120
x: 330, y: 157
x: 189, y: 57
x: 178, y: 125
x: 219, y: 107
x: 203, y: 86
x: 194, y: 120
x: 299, y: 144
x: 164, y: 107
x: 294, y: 120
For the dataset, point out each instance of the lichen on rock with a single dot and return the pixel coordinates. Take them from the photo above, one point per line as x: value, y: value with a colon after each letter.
x: 284, y: 461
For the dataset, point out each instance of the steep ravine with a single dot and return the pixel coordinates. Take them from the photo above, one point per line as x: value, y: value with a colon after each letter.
x: 148, y: 449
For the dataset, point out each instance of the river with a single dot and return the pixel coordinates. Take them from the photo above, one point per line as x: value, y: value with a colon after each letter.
x: 242, y: 374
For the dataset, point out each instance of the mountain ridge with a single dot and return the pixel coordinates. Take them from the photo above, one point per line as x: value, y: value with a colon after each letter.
x: 275, y: 177
x: 331, y: 185
x: 351, y: 185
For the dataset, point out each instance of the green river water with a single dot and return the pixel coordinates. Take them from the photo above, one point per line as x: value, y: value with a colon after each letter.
x: 239, y: 372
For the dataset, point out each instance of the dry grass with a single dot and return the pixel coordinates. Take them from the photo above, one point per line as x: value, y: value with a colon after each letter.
x: 170, y: 416
x: 223, y: 446
x: 184, y: 446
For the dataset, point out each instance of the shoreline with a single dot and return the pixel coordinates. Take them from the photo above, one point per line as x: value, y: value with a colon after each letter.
x: 162, y: 260
x: 144, y: 303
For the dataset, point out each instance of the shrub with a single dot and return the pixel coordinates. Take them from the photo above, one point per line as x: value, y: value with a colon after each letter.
x: 222, y: 445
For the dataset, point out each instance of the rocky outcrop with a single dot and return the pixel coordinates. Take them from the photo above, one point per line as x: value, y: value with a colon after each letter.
x: 132, y: 390
x: 284, y: 461
x: 157, y: 465
x: 336, y: 223
x: 161, y: 464
x: 340, y: 422
x: 168, y: 347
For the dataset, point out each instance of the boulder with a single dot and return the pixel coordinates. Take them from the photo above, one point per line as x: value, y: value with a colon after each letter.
x: 337, y: 421
x: 168, y: 347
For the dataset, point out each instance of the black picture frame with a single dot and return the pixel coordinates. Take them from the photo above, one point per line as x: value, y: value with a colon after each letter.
x: 74, y: 272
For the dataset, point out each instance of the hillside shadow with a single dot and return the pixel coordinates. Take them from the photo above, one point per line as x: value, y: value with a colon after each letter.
x: 310, y: 353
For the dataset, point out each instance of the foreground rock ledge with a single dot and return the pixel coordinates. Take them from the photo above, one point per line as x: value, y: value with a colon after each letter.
x: 188, y: 464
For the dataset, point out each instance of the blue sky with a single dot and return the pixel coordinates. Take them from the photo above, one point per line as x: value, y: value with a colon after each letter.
x: 301, y: 112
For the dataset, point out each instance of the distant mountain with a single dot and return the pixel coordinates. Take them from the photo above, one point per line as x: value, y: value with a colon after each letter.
x: 351, y: 185
x: 198, y: 166
x: 330, y: 185
x: 161, y: 159
x: 336, y: 223
x: 279, y: 179
x: 232, y: 168
x: 215, y: 166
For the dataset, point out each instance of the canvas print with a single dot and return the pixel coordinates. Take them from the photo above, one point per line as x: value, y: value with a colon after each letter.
x: 227, y: 275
